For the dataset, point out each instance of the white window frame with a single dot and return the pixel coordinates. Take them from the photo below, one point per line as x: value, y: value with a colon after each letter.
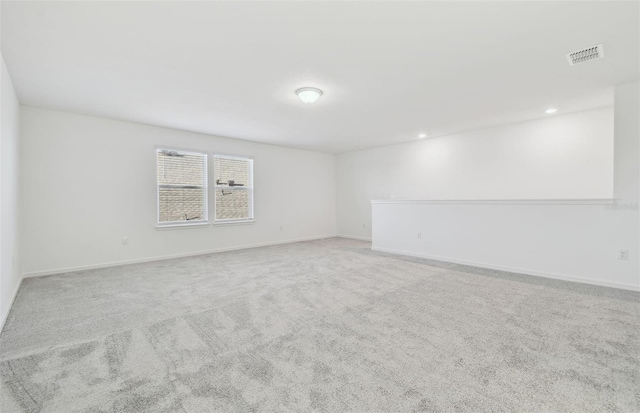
x: 249, y: 187
x: 192, y: 223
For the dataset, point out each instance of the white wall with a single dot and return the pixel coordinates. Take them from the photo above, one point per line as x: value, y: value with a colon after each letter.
x: 574, y: 240
x: 565, y: 241
x: 627, y: 143
x: 559, y: 157
x: 10, y: 272
x: 88, y: 182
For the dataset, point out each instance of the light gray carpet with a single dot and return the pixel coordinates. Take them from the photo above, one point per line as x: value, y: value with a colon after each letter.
x: 324, y: 325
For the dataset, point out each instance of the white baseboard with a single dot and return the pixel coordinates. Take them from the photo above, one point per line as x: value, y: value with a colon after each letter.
x: 168, y: 257
x: 600, y: 283
x: 353, y: 237
x: 13, y: 299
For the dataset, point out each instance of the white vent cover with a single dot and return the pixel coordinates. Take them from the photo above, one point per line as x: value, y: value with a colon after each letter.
x: 581, y: 56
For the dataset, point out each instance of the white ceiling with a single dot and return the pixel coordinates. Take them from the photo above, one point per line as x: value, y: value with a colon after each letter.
x: 389, y: 70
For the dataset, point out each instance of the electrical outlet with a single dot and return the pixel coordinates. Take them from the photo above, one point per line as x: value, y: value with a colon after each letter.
x: 280, y: 227
x: 419, y: 235
x: 623, y: 254
x: 364, y: 225
x: 125, y: 240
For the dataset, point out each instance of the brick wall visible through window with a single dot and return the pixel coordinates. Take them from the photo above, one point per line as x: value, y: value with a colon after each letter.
x: 234, y: 188
x: 182, y: 186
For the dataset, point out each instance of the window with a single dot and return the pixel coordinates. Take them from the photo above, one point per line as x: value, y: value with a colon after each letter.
x: 234, y: 188
x: 182, y: 187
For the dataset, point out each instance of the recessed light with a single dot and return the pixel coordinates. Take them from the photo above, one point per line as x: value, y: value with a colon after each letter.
x: 551, y: 110
x: 422, y: 135
x: 309, y: 94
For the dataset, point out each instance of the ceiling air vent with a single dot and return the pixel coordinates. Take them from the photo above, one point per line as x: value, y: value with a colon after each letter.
x: 581, y: 56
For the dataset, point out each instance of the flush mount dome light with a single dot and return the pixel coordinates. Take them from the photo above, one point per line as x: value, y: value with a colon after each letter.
x: 551, y: 110
x: 309, y: 94
x: 422, y: 136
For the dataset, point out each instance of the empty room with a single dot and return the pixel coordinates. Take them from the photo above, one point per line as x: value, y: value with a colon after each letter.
x: 332, y: 206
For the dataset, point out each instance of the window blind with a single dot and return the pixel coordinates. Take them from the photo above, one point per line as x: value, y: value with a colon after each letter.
x: 234, y: 188
x: 182, y: 186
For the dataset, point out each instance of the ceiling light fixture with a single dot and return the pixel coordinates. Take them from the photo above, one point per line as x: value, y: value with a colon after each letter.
x: 422, y: 135
x: 309, y: 94
x: 551, y: 110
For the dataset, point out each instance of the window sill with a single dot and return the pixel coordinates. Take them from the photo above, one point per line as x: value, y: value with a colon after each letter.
x: 182, y: 226
x: 238, y: 222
